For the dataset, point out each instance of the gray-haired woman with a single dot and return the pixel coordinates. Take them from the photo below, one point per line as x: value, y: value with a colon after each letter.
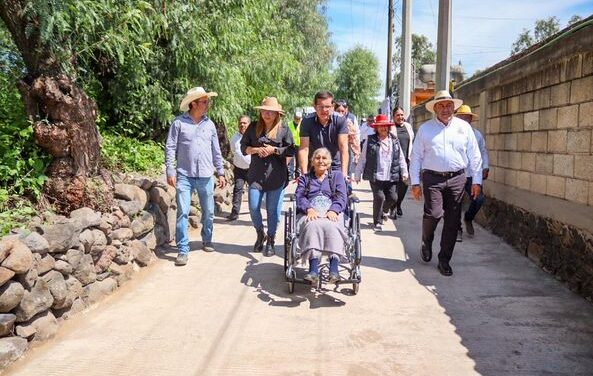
x: 321, y: 198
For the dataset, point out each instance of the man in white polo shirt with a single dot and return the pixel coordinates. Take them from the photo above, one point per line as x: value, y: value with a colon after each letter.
x: 445, y: 148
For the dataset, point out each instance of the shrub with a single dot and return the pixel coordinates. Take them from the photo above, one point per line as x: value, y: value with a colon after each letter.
x: 120, y: 153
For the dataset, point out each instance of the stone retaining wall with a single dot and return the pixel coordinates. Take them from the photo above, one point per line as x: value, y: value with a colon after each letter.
x: 536, y: 113
x: 59, y: 268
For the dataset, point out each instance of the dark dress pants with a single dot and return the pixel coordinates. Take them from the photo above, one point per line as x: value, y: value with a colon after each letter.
x: 384, y: 196
x: 475, y: 203
x: 402, y: 188
x: 442, y: 199
x: 240, y: 180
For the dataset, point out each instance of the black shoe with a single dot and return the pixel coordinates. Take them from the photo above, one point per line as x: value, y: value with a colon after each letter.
x: 232, y: 217
x: 392, y: 214
x: 383, y: 218
x: 269, y: 248
x: 426, y: 253
x: 469, y: 227
x: 445, y: 268
x: 399, y: 211
x: 259, y: 243
x: 459, y: 236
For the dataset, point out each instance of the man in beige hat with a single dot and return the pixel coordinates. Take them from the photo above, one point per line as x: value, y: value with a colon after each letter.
x: 444, y: 149
x: 192, y: 154
x: 465, y: 113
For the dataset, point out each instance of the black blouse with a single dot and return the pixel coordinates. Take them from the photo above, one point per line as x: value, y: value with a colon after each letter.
x: 269, y: 173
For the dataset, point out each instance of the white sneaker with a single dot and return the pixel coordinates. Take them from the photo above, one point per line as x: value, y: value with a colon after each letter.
x: 378, y: 227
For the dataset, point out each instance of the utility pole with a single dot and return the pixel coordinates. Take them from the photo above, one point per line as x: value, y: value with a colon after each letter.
x: 406, y: 59
x: 388, y: 87
x: 443, y: 73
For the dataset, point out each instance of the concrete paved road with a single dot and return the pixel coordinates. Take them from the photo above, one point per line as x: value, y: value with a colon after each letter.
x: 229, y: 313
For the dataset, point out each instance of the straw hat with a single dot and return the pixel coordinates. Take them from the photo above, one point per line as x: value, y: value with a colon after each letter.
x: 466, y: 110
x: 270, y: 104
x: 193, y: 94
x: 441, y: 96
x: 381, y: 120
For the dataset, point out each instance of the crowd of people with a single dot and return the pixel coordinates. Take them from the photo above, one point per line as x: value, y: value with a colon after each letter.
x: 324, y: 153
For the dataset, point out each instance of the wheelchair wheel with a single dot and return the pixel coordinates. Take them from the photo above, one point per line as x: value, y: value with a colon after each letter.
x: 287, y: 237
x: 287, y: 246
x: 357, y: 251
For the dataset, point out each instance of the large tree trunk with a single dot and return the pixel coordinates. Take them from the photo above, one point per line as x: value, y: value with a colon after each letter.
x: 63, y: 118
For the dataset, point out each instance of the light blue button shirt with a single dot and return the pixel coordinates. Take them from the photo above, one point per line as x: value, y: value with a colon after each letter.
x: 483, y: 149
x: 195, y: 148
x: 446, y: 148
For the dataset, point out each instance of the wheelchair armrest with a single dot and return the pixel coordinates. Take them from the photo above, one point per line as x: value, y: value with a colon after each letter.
x: 353, y: 198
x: 291, y: 197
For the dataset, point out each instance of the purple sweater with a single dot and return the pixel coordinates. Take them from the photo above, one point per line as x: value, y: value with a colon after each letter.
x: 316, y: 188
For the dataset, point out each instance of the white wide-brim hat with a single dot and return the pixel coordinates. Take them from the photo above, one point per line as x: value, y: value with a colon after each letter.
x: 442, y: 96
x: 193, y: 94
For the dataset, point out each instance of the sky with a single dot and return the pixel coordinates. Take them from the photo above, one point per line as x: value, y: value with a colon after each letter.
x: 483, y: 31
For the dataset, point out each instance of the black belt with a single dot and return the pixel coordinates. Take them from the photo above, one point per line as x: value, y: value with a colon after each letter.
x: 445, y: 174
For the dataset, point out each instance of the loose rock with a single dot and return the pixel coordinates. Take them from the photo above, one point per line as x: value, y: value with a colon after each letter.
x: 11, y: 294
x: 11, y: 348
x: 130, y: 192
x: 87, y: 217
x: 130, y: 208
x: 142, y: 224
x: 39, y: 299
x: 20, y: 259
x: 45, y: 264
x: 62, y: 236
x: 63, y: 267
x: 36, y: 243
x: 122, y: 234
x: 141, y: 253
x: 98, y: 290
x: 6, y: 324
x: 5, y: 275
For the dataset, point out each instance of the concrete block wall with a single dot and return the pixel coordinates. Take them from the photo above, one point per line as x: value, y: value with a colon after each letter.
x: 536, y: 113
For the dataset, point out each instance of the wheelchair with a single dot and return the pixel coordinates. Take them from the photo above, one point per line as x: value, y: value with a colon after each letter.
x: 292, y: 252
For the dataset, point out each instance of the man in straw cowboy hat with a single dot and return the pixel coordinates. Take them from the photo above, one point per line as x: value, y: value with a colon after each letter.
x: 465, y: 113
x: 444, y: 149
x: 192, y: 143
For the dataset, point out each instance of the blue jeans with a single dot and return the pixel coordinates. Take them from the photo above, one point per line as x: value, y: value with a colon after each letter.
x: 475, y: 204
x: 274, y: 201
x: 205, y: 188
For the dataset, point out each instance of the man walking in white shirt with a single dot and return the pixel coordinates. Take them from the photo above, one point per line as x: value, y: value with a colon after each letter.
x: 241, y: 166
x: 443, y: 150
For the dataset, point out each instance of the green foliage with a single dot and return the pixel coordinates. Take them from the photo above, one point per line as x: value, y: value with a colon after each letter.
x: 543, y: 29
x: 14, y: 211
x: 423, y: 52
x: 120, y: 153
x: 574, y: 19
x: 357, y: 79
x: 138, y: 58
x: 22, y: 163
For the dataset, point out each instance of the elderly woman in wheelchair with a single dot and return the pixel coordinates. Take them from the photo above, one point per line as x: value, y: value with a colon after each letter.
x: 321, y: 199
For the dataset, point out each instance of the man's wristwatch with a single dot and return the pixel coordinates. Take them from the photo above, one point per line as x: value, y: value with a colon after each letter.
x: 276, y: 151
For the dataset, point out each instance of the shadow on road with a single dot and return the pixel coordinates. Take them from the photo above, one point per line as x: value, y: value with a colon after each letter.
x: 512, y: 317
x: 269, y: 282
